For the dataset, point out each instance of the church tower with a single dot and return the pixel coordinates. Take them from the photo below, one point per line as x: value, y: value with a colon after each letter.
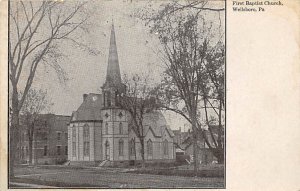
x: 115, y: 125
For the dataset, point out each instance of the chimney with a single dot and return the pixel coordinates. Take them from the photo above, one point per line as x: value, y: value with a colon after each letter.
x: 84, y: 96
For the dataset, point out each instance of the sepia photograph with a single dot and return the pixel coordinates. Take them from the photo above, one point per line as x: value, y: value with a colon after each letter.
x: 117, y: 94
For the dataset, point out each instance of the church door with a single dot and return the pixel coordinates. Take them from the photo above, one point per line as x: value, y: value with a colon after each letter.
x: 107, y: 150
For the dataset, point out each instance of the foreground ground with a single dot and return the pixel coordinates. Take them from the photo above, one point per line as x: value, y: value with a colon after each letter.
x: 61, y: 176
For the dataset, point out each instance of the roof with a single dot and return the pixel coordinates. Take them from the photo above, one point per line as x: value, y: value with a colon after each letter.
x: 156, y: 122
x: 90, y: 109
x: 169, y: 131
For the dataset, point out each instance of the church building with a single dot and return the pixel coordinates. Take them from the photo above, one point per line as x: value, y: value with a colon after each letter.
x: 100, y: 131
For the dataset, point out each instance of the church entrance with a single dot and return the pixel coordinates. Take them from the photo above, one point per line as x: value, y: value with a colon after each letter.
x: 107, y: 150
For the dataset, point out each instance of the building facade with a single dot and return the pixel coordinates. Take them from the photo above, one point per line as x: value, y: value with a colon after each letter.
x: 100, y: 130
x: 50, y: 140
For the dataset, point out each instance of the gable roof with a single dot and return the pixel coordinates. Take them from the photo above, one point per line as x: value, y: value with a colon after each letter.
x: 157, y: 123
x: 90, y: 109
x: 169, y: 131
x: 154, y: 121
x: 155, y: 133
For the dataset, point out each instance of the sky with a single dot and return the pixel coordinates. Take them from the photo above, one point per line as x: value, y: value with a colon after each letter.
x: 136, y: 51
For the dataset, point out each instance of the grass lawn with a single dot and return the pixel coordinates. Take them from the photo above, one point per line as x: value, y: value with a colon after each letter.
x: 108, y: 178
x: 186, y: 170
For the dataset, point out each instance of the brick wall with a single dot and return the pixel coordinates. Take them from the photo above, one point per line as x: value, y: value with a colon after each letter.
x: 46, y: 140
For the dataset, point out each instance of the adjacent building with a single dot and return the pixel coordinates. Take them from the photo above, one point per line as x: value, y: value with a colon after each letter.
x: 179, y: 136
x: 184, y: 145
x: 50, y: 140
x: 100, y: 131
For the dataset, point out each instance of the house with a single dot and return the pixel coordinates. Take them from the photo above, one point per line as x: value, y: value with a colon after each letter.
x: 100, y: 131
x: 49, y: 145
x: 179, y: 137
x: 204, y: 152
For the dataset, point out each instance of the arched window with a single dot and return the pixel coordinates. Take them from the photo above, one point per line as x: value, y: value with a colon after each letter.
x: 149, y: 147
x: 117, y: 98
x: 107, y: 151
x: 104, y: 99
x: 73, y: 142
x: 165, y: 145
x: 106, y: 128
x: 86, y: 140
x: 108, y: 94
x: 132, y: 147
x: 121, y: 128
x: 86, y: 132
x: 121, y: 147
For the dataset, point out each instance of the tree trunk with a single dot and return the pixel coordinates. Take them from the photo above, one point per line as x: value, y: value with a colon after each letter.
x: 134, y: 149
x: 220, y: 126
x: 12, y: 149
x: 143, y: 153
x: 195, y: 147
x: 30, y: 150
x: 221, y: 158
x: 13, y: 142
x: 195, y: 152
x: 30, y: 126
x: 219, y: 154
x: 220, y: 133
x: 13, y: 133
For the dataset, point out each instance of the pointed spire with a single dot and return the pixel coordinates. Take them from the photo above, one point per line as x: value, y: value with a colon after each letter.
x: 113, y: 76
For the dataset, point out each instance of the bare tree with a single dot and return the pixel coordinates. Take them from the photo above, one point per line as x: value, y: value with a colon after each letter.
x: 214, y: 97
x: 197, y: 5
x: 183, y: 53
x: 190, y: 75
x: 36, y: 31
x: 137, y: 101
x: 35, y: 103
x: 172, y: 7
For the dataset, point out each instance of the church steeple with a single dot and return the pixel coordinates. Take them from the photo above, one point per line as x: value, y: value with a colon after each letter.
x: 113, y: 76
x: 113, y: 86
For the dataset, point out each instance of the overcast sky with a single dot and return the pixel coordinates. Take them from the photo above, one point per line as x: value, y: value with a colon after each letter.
x: 87, y: 72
